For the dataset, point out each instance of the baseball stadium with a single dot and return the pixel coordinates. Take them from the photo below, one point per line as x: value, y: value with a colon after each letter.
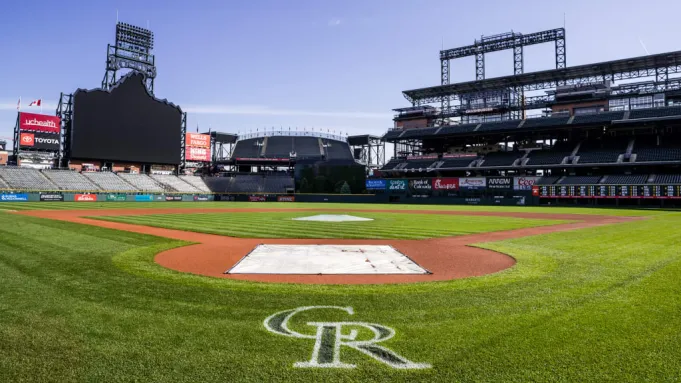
x: 505, y: 229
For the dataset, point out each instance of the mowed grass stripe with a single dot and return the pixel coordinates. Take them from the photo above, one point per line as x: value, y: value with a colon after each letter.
x: 282, y: 225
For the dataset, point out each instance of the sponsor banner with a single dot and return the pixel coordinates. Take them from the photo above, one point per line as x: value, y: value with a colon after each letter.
x: 373, y: 184
x: 144, y: 198
x: 39, y: 123
x: 460, y: 155
x: 286, y: 198
x: 262, y: 159
x: 201, y: 198
x: 85, y: 197
x: 535, y: 191
x: 158, y: 198
x: 197, y: 154
x: 256, y: 198
x: 500, y: 183
x: 197, y: 140
x: 421, y: 184
x: 14, y: 197
x: 472, y: 182
x: 51, y: 197
x: 42, y: 141
x: 429, y: 157
x: 445, y: 184
x: 173, y: 198
x: 524, y: 183
x: 115, y: 197
x: 397, y: 185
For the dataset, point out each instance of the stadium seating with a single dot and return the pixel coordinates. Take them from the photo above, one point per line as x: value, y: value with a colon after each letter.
x: 142, y: 182
x: 655, y: 112
x: 25, y: 179
x: 658, y: 154
x: 545, y: 122
x: 501, y: 125
x: 278, y: 184
x: 625, y: 179
x: 196, y: 182
x: 453, y: 129
x: 70, y: 180
x: 458, y: 162
x: 602, y: 151
x: 580, y: 180
x: 393, y: 134
x: 279, y: 147
x: 337, y: 150
x: 109, y: 181
x: 500, y: 158
x: 419, y: 132
x: 174, y: 183
x: 667, y: 179
x: 3, y: 185
x: 248, y: 148
x: 420, y: 164
x: 548, y: 180
x: 596, y: 118
x: 546, y: 157
x: 307, y: 147
x: 392, y: 164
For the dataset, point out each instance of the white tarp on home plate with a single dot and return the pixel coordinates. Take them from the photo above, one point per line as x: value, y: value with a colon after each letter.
x: 326, y: 259
x: 333, y: 218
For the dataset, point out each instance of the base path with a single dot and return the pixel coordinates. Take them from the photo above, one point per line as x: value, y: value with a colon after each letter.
x: 447, y: 258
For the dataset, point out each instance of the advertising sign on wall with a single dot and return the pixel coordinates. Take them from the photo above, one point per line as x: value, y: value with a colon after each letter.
x: 286, y: 198
x: 51, y: 197
x: 85, y: 197
x: 197, y: 154
x: 421, y: 184
x: 173, y: 198
x: 256, y: 198
x: 524, y: 183
x: 144, y: 198
x: 375, y: 184
x: 397, y: 185
x: 39, y: 123
x: 197, y: 140
x: 500, y: 183
x: 445, y: 183
x: 115, y: 197
x: 13, y: 197
x: 201, y: 198
x: 43, y: 141
x: 472, y: 183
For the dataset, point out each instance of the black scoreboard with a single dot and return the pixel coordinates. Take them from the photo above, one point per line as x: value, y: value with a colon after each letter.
x: 610, y: 191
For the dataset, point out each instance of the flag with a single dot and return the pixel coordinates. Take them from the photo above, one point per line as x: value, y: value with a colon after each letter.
x: 19, y: 103
x: 197, y: 128
x: 37, y: 102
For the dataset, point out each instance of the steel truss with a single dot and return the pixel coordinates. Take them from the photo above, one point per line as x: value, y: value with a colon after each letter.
x: 65, y: 113
x: 132, y: 50
x: 183, y: 139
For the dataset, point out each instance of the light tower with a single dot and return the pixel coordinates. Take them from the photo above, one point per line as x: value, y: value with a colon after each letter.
x: 132, y: 51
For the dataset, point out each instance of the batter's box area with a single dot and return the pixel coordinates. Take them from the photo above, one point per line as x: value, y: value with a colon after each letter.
x: 326, y: 259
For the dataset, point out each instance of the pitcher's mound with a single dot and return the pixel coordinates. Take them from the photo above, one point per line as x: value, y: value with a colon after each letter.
x: 333, y: 218
x: 326, y: 259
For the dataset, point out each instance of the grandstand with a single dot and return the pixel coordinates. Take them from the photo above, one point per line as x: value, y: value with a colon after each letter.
x: 109, y: 181
x: 170, y: 182
x: 142, y: 182
x: 196, y: 182
x: 70, y: 180
x: 25, y: 179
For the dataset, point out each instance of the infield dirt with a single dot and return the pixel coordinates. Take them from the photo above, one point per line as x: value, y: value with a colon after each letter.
x: 447, y: 258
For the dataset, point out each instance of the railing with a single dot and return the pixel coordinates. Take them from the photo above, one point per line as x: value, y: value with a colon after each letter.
x: 293, y: 133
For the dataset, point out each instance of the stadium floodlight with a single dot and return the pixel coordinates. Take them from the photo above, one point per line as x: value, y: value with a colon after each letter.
x: 131, y: 51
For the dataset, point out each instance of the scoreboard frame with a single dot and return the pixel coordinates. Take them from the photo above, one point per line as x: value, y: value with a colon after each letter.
x: 609, y: 191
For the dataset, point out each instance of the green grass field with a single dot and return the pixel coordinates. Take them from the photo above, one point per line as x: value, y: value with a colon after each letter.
x: 282, y: 225
x: 82, y: 303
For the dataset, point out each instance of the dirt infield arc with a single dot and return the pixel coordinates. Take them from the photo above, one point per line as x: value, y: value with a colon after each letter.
x: 447, y: 258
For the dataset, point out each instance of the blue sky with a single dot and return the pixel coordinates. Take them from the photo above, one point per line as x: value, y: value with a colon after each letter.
x: 238, y: 66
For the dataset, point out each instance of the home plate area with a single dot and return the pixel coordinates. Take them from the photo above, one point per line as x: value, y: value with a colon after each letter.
x: 326, y: 259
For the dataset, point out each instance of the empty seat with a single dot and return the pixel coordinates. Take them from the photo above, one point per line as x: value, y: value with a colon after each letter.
x: 542, y: 122
x: 419, y: 132
x: 546, y: 157
x: 547, y: 180
x: 175, y: 183
x: 625, y: 179
x: 500, y: 125
x: 25, y: 179
x: 458, y: 162
x: 580, y: 180
x: 597, y: 118
x: 655, y: 112
x: 500, y: 158
x: 142, y: 182
x: 249, y: 148
x: 658, y: 154
x: 337, y: 150
x: 109, y: 181
x: 667, y: 179
x: 70, y: 180
x: 196, y: 182
x: 454, y: 129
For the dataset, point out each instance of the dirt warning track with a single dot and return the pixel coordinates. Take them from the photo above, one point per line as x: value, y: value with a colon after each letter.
x: 447, y: 258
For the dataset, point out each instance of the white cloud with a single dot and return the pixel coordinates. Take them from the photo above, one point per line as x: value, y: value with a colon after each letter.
x: 334, y: 22
x: 256, y: 110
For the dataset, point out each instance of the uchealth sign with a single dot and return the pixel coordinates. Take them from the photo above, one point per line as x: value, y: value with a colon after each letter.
x: 85, y: 197
x: 197, y: 154
x: 524, y: 183
x: 472, y: 182
x: 39, y: 123
x: 197, y: 140
x: 42, y: 141
x: 500, y: 183
x: 445, y: 183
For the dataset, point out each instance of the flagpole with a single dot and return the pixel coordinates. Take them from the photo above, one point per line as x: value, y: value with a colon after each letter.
x: 41, y: 105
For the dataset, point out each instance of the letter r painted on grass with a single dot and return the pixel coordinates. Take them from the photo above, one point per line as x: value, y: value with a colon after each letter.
x: 330, y: 339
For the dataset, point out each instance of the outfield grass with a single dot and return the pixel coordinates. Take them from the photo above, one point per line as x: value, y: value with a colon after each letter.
x: 282, y: 225
x: 81, y: 303
x: 18, y: 206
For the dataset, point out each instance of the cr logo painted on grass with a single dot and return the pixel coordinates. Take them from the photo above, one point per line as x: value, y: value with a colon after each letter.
x: 330, y: 340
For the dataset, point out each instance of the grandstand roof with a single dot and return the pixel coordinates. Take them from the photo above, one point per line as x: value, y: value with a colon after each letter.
x: 642, y: 66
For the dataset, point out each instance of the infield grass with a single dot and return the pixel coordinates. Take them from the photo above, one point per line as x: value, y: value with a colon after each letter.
x: 283, y: 225
x: 82, y: 303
